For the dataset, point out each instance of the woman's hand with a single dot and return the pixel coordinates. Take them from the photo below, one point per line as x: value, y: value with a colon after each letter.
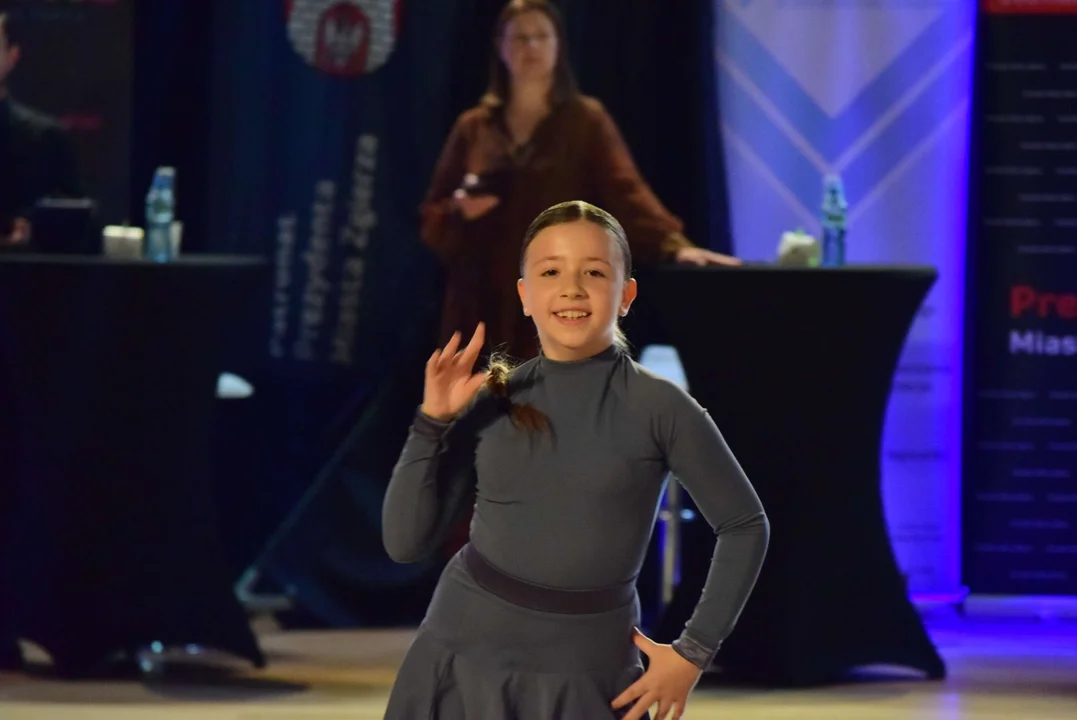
x: 474, y: 206
x: 20, y: 233
x: 668, y: 681
x: 450, y: 385
x: 702, y: 256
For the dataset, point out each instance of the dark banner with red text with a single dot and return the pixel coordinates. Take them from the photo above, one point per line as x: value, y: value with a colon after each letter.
x: 1020, y: 489
x: 75, y: 66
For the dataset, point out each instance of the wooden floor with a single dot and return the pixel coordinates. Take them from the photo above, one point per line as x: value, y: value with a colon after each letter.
x: 1006, y: 670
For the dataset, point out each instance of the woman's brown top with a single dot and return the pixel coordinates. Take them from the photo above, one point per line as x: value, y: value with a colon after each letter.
x: 575, y: 153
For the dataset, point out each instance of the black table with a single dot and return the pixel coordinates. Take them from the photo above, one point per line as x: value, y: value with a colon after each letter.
x: 108, y: 535
x: 795, y: 366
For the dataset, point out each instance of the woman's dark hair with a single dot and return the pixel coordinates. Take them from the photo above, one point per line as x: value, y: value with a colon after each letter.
x: 500, y: 87
x: 561, y: 214
x: 9, y: 29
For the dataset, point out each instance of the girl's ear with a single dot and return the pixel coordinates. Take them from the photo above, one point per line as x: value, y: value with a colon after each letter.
x: 628, y: 295
x: 520, y: 292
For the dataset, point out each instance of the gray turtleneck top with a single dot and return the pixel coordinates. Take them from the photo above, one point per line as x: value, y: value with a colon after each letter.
x: 575, y: 508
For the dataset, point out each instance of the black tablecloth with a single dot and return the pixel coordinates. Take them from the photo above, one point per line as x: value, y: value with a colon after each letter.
x: 795, y: 366
x: 108, y: 535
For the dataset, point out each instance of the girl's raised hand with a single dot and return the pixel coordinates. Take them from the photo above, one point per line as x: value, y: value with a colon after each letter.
x: 451, y: 384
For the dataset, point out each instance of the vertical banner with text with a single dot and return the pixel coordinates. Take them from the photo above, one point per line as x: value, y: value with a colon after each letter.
x: 1020, y: 498
x: 877, y: 91
x: 329, y: 116
x: 76, y: 67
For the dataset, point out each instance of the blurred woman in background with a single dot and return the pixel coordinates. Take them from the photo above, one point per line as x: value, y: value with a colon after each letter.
x: 532, y: 141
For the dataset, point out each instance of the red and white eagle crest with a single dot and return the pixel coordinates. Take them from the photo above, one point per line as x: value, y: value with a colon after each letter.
x: 343, y: 37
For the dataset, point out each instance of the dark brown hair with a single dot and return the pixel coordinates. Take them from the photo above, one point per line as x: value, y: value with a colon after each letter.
x: 500, y: 366
x: 499, y: 90
x: 575, y: 211
x: 9, y: 29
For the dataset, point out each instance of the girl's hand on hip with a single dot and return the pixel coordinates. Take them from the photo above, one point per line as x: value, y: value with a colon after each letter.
x: 667, y: 682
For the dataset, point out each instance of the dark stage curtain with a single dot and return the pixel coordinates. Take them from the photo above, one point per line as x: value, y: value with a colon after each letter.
x: 652, y: 65
x: 171, y: 113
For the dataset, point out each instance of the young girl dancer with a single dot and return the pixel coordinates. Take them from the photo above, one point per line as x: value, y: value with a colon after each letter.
x: 565, y: 459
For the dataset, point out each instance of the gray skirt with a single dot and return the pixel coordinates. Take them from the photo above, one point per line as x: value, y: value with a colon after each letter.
x: 480, y: 656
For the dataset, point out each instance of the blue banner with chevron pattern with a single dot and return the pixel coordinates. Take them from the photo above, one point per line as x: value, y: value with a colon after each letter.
x: 877, y: 91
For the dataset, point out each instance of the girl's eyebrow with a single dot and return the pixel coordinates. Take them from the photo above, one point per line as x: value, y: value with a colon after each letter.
x: 561, y: 257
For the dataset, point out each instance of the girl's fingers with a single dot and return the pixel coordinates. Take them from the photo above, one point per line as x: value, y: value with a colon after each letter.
x: 633, y: 691
x: 449, y: 351
x: 475, y: 384
x: 641, y: 707
x: 471, y: 352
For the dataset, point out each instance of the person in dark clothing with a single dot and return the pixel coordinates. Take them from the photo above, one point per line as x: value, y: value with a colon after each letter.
x: 564, y: 460
x: 533, y: 141
x: 36, y: 157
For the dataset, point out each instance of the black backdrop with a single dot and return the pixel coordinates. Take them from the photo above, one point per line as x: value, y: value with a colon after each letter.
x: 314, y: 426
x: 171, y: 113
x: 76, y: 67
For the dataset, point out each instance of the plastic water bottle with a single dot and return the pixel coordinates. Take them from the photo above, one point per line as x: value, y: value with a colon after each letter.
x: 835, y: 214
x: 160, y: 210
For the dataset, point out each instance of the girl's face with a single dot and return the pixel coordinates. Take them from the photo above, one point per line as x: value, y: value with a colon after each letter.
x: 574, y: 288
x: 529, y: 46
